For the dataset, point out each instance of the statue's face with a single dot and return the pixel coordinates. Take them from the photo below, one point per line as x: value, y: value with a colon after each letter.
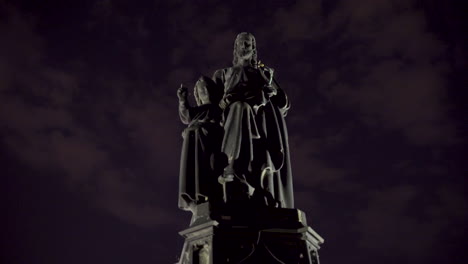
x: 203, y: 94
x: 245, y: 47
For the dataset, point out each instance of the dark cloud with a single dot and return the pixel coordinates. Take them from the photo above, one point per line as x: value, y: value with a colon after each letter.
x: 374, y: 132
x: 394, y: 230
x: 301, y: 21
x: 399, y: 80
x: 40, y: 122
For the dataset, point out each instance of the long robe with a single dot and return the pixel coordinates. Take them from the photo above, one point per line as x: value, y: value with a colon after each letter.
x: 255, y: 133
x: 197, y: 177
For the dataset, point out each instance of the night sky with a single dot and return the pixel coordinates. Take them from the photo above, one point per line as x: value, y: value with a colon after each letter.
x: 90, y: 135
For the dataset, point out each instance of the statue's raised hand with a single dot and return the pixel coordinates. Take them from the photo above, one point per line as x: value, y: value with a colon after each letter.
x: 270, y: 90
x: 225, y: 101
x: 269, y: 74
x: 182, y: 93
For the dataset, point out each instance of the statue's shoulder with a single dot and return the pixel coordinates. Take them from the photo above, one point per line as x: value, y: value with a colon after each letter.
x: 222, y: 74
x: 223, y: 70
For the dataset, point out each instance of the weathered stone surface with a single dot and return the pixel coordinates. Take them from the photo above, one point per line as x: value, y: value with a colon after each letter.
x: 245, y: 234
x: 236, y: 144
x: 235, y: 174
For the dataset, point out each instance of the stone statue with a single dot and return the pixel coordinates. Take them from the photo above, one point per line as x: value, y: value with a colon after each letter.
x: 235, y: 172
x: 255, y: 138
x: 202, y: 138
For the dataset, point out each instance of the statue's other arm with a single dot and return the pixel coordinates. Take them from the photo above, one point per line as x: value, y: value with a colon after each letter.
x: 219, y: 77
x: 280, y: 99
x: 273, y: 91
x: 185, y: 111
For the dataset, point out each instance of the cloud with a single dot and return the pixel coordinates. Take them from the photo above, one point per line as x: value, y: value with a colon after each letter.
x: 390, y: 70
x: 153, y: 125
x: 398, y: 223
x: 116, y: 135
x: 199, y: 33
x: 377, y: 59
x: 20, y: 46
x: 120, y: 195
x: 311, y: 172
x: 48, y: 123
x: 301, y: 21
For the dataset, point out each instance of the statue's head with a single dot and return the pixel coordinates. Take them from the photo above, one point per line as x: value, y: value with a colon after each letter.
x: 245, y: 48
x: 205, y: 91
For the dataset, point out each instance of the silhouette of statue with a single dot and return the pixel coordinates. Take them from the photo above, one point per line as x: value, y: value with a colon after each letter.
x: 202, y: 138
x: 235, y: 172
x: 255, y: 138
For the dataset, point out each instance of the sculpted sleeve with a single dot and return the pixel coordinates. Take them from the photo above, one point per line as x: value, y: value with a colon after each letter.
x: 280, y: 99
x: 185, y: 112
x: 219, y: 78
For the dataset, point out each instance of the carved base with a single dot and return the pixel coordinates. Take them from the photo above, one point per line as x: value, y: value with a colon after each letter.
x: 265, y: 235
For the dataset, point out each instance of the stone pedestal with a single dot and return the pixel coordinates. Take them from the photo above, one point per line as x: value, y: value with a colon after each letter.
x: 249, y: 235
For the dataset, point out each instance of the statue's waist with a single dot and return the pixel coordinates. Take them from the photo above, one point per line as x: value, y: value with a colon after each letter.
x: 206, y: 123
x: 250, y: 97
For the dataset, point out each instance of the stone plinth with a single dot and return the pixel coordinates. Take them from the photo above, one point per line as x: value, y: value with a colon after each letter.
x: 249, y: 235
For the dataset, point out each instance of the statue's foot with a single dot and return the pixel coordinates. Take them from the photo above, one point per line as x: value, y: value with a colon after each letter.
x: 262, y: 197
x: 218, y: 161
x: 228, y: 175
x: 226, y: 178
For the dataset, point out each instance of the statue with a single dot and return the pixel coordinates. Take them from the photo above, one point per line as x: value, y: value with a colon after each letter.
x: 236, y: 136
x: 202, y: 138
x: 235, y: 172
x: 255, y: 138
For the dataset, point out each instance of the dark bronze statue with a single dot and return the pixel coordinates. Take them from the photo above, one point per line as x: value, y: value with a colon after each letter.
x: 249, y: 107
x: 202, y: 138
x: 255, y: 136
x: 235, y: 172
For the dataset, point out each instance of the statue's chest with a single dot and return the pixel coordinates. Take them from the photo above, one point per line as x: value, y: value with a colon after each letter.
x: 245, y: 77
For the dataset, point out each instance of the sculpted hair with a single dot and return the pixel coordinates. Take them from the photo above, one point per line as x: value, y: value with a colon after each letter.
x: 235, y: 59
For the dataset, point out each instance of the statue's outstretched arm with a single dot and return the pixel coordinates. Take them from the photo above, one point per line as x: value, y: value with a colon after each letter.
x: 280, y: 99
x: 219, y: 78
x: 185, y: 111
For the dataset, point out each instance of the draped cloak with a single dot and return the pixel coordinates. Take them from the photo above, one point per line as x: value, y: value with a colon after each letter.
x: 255, y: 132
x: 197, y: 176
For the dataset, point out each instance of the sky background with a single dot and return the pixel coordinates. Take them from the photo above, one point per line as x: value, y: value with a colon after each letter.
x: 90, y: 136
